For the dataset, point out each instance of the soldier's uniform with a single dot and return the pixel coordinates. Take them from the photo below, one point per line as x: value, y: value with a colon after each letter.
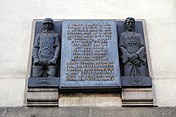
x: 44, y: 50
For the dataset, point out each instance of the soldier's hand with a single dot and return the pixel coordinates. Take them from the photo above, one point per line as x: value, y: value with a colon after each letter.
x: 52, y: 62
x: 36, y: 62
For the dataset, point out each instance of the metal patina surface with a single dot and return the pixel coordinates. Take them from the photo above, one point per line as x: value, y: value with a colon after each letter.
x: 89, y: 54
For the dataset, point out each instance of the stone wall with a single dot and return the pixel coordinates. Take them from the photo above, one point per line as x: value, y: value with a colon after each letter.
x: 87, y: 112
x: 15, y: 35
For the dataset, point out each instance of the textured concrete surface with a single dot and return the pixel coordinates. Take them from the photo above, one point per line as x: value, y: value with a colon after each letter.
x: 165, y: 91
x: 12, y: 92
x: 87, y: 112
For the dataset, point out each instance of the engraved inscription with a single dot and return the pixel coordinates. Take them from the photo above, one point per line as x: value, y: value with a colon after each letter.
x: 43, y: 82
x: 89, y: 55
x: 136, y: 81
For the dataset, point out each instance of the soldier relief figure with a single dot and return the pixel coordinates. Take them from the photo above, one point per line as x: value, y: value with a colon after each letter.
x: 133, y: 53
x: 46, y: 51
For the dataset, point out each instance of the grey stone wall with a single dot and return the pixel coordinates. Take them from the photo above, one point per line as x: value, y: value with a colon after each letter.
x: 88, y: 112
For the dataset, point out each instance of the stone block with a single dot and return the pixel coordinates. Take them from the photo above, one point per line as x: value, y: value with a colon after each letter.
x: 137, y: 97
x: 42, y: 97
x: 90, y: 100
x: 87, y: 112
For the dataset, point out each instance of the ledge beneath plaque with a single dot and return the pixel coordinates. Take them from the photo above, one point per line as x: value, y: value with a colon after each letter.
x: 92, y: 90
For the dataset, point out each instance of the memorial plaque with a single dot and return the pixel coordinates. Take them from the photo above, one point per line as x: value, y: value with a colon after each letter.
x: 89, y: 55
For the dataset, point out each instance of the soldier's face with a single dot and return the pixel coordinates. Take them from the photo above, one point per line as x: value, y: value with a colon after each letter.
x: 48, y: 26
x: 130, y: 24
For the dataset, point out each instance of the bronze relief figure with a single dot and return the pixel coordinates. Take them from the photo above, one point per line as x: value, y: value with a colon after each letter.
x: 46, y: 51
x: 133, y: 53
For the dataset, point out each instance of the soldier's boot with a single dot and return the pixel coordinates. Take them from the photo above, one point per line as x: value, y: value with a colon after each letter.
x: 51, y: 71
x: 37, y: 71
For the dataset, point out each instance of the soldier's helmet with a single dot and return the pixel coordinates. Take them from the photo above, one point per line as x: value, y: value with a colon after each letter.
x: 48, y: 21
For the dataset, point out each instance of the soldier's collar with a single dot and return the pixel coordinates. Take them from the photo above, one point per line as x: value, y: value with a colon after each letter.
x: 47, y: 31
